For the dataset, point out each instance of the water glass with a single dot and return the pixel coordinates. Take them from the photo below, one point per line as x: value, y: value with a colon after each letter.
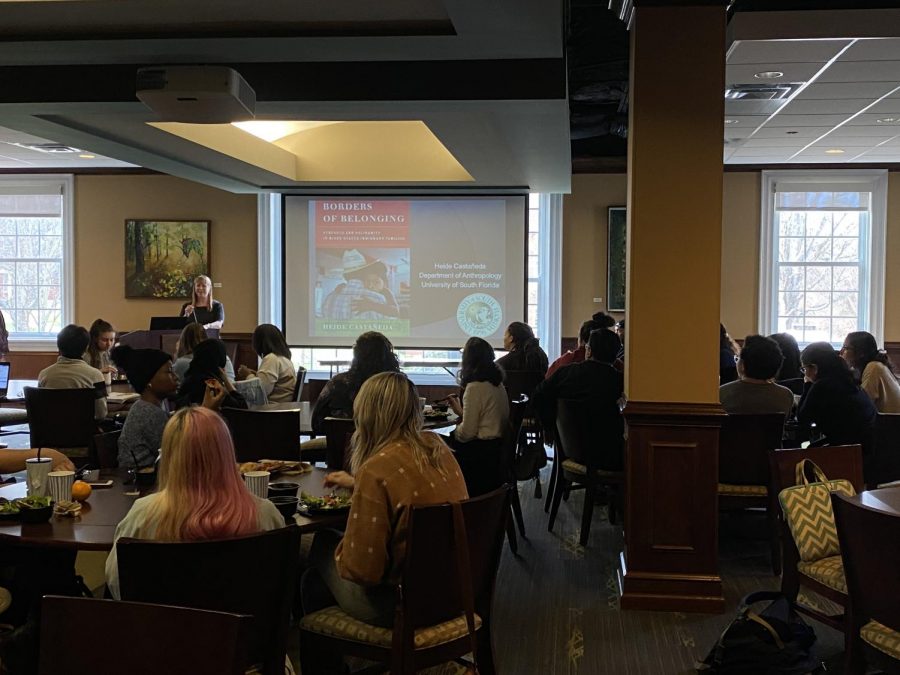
x: 258, y: 483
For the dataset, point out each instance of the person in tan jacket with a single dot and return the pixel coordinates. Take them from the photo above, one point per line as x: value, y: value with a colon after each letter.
x: 394, y: 466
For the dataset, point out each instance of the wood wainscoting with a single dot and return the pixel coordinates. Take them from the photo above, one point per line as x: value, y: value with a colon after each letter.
x: 670, y: 562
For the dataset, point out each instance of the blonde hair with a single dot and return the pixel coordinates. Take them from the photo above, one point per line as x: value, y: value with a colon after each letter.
x: 202, y: 495
x: 386, y: 411
x: 194, y: 290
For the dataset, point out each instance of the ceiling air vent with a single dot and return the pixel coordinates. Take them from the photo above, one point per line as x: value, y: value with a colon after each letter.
x: 51, y: 148
x: 761, y: 92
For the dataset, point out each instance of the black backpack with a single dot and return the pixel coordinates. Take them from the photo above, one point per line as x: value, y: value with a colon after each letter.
x: 774, y: 642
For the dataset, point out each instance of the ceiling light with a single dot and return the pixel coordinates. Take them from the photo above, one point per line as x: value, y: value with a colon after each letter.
x: 769, y: 75
x: 888, y: 120
x: 87, y: 156
x: 791, y: 133
x: 834, y: 151
x: 273, y: 130
x: 731, y: 121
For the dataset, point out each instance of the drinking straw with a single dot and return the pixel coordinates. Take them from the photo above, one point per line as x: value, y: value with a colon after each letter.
x: 39, y: 454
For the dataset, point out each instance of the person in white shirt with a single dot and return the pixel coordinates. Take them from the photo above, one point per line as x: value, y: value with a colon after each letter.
x: 276, y: 373
x: 484, y: 416
x: 875, y: 370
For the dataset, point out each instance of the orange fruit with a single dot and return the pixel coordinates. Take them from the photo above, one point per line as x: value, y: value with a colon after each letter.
x: 80, y: 491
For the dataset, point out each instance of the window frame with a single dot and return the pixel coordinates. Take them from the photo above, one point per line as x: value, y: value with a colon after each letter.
x: 50, y: 183
x: 871, y: 265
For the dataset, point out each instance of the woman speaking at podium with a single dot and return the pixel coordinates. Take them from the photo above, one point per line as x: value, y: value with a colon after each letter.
x: 202, y: 308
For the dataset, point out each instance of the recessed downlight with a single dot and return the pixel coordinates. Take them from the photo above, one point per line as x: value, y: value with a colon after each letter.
x: 834, y: 151
x: 87, y: 156
x: 791, y: 133
x: 732, y: 121
x: 888, y: 120
x: 768, y: 75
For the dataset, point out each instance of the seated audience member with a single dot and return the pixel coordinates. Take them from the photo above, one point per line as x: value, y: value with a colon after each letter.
x: 595, y: 379
x: 755, y: 392
x: 842, y: 412
x: 604, y: 320
x: 149, y: 372
x: 13, y: 461
x: 728, y: 351
x: 103, y: 337
x: 577, y: 355
x: 201, y: 494
x: 277, y: 375
x: 524, y: 350
x: 876, y: 372
x: 207, y: 369
x: 4, y: 338
x: 360, y: 572
x: 191, y: 336
x: 373, y: 353
x: 790, y: 367
x: 483, y: 417
x: 71, y: 372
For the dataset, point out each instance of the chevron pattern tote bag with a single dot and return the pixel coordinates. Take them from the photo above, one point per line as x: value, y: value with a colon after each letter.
x: 807, y: 509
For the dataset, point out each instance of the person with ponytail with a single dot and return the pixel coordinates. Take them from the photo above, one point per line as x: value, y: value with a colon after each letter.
x: 201, y: 494
x: 394, y: 466
x: 875, y: 370
x: 525, y: 351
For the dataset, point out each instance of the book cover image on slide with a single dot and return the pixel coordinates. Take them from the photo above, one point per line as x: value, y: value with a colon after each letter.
x: 361, y: 273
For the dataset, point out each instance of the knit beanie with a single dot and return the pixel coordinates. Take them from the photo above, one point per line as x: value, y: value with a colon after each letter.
x: 140, y: 365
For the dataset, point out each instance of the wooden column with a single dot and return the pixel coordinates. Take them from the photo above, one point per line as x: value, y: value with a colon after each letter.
x: 676, y: 114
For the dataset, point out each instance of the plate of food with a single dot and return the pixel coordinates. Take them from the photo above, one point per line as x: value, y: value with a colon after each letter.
x: 320, y: 506
x: 276, y: 466
x: 67, y: 509
x: 9, y: 510
x: 436, y: 415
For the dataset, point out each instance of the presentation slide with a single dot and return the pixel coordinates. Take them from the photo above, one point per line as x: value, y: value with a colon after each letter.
x: 426, y: 272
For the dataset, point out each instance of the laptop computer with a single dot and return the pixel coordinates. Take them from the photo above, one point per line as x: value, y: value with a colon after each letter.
x: 169, y: 322
x: 4, y: 378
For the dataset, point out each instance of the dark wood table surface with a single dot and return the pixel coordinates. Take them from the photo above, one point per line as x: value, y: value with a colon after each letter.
x: 886, y: 500
x: 95, y: 528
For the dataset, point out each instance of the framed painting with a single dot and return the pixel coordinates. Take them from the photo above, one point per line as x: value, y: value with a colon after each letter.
x: 162, y: 257
x: 616, y: 247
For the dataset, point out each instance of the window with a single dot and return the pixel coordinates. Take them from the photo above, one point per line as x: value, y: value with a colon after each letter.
x: 35, y: 246
x: 533, y: 271
x: 823, y: 254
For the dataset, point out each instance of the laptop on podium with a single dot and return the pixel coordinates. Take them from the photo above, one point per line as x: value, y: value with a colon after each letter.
x: 169, y: 322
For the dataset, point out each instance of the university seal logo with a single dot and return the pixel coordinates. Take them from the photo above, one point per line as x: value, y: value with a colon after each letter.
x: 479, y: 315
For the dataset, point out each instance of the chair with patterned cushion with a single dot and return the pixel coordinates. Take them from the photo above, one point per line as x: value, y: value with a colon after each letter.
x: 430, y: 625
x: 590, y: 450
x: 148, y: 638
x: 253, y: 575
x: 870, y: 550
x: 824, y: 575
x: 744, y: 445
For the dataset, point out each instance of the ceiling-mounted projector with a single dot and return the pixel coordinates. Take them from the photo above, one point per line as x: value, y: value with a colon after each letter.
x: 196, y: 94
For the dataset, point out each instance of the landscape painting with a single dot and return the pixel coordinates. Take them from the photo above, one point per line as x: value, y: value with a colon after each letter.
x: 616, y: 248
x: 162, y: 257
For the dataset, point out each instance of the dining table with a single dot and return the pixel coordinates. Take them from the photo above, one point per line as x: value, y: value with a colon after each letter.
x: 430, y: 423
x: 95, y: 527
x: 885, y: 499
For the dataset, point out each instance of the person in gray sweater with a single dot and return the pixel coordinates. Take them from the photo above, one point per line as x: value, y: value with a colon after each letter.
x: 755, y: 392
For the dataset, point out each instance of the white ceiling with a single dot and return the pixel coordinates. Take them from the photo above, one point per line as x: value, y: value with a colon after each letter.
x: 16, y: 157
x: 847, y: 86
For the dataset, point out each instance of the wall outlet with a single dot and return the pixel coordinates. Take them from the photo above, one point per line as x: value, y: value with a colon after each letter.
x: 598, y: 300
x: 217, y: 285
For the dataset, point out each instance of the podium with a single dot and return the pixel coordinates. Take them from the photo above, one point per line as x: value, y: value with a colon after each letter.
x: 158, y: 339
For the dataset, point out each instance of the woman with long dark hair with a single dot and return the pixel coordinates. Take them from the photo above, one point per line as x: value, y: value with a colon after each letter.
x: 839, y: 409
x: 277, y: 375
x: 191, y: 336
x: 875, y: 370
x: 524, y: 350
x: 103, y: 337
x: 484, y: 416
x: 373, y: 353
x: 208, y: 369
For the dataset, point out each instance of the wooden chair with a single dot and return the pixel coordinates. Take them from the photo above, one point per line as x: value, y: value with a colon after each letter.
x: 885, y: 464
x: 149, y: 639
x: 870, y: 549
x: 590, y: 450
x: 839, y: 461
x: 298, y: 387
x: 62, y: 419
x: 338, y: 431
x: 264, y: 434
x: 510, y: 444
x: 252, y: 575
x: 106, y: 449
x: 520, y: 386
x: 430, y: 626
x: 744, y: 445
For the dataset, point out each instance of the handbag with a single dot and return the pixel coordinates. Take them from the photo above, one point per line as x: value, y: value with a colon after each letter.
x: 464, y: 570
x: 807, y: 510
x: 776, y: 641
x: 530, y: 455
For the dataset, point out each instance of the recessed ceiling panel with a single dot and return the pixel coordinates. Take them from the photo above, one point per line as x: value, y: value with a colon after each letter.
x: 793, y: 72
x: 862, y: 71
x: 784, y: 51
x: 843, y: 106
x: 875, y: 49
x: 783, y: 120
x: 832, y: 90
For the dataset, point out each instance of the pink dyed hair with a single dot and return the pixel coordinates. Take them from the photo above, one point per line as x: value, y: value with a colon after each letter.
x: 202, y: 495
